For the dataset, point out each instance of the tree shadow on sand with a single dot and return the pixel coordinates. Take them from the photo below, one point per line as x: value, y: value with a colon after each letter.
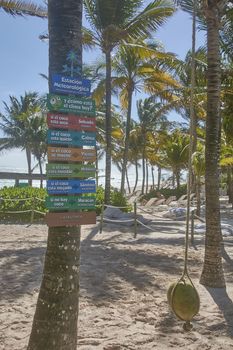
x: 225, y: 304
x: 107, y: 262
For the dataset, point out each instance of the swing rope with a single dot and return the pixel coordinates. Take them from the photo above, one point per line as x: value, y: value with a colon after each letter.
x: 191, y: 144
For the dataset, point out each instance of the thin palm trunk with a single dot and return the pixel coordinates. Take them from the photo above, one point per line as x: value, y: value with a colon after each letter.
x: 198, y: 194
x: 127, y: 133
x: 41, y: 172
x: 108, y: 128
x: 136, y: 176
x: 159, y: 178
x: 55, y: 320
x: 29, y: 163
x: 147, y: 177
x: 127, y: 179
x: 212, y: 273
x: 153, y: 177
x: 177, y: 176
x: 143, y: 167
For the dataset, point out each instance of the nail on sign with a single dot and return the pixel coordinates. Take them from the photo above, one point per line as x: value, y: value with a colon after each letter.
x: 71, y: 86
x: 71, y: 138
x: 69, y: 104
x: 70, y: 202
x: 71, y: 122
x: 71, y: 186
x: 70, y: 219
x: 70, y: 170
x: 71, y: 154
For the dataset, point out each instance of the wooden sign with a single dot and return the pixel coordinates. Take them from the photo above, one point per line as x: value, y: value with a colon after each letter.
x: 71, y: 138
x: 70, y: 218
x: 70, y: 186
x: 70, y: 170
x: 69, y: 104
x: 71, y: 154
x: 70, y: 202
x: 70, y: 122
x: 70, y: 85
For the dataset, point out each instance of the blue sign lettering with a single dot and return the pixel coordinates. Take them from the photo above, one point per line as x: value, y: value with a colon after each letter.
x: 71, y: 138
x: 70, y: 85
x: 71, y: 186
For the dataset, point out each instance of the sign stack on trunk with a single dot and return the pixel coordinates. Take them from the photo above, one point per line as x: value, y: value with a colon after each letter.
x: 71, y: 151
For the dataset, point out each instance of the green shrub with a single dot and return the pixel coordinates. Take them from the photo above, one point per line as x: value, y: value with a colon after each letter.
x: 24, y: 199
x: 117, y: 199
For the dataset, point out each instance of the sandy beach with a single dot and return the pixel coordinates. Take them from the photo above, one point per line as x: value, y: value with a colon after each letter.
x: 123, y: 288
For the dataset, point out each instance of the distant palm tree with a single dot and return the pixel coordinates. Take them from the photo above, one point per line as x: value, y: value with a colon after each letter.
x: 23, y: 8
x: 175, y: 154
x: 113, y: 21
x: 15, y: 124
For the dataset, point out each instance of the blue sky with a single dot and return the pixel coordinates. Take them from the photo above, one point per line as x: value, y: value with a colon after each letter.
x: 24, y: 56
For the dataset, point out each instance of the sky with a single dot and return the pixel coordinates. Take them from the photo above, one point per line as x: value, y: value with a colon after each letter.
x: 24, y: 57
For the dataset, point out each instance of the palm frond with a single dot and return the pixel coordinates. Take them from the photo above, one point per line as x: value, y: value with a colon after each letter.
x: 23, y: 8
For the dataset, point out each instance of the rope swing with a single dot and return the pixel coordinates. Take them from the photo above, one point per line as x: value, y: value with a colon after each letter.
x: 182, y: 296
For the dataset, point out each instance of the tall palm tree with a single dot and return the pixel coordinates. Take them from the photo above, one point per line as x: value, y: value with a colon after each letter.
x: 140, y: 67
x: 55, y: 320
x: 212, y: 273
x: 113, y: 21
x: 15, y: 124
x: 152, y: 117
x: 23, y: 8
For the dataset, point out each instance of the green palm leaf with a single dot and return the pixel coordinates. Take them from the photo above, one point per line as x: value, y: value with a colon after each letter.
x: 22, y: 8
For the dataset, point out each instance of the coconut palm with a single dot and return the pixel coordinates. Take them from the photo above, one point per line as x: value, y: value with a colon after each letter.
x: 175, y: 154
x: 111, y: 22
x: 152, y: 117
x: 212, y: 273
x: 22, y: 8
x: 198, y: 164
x: 140, y: 67
x: 16, y: 121
x: 57, y: 305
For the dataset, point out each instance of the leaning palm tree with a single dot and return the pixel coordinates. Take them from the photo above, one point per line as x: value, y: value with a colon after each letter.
x: 23, y: 8
x: 113, y: 21
x: 15, y: 124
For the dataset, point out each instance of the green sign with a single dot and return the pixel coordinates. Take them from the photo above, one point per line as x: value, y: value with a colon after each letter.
x: 70, y: 170
x: 69, y: 104
x: 70, y: 202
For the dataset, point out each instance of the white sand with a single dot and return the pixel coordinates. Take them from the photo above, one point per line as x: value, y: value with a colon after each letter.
x: 123, y: 289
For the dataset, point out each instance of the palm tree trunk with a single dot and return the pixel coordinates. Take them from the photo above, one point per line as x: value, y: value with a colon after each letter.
x: 159, y: 177
x: 41, y: 172
x: 136, y: 176
x: 108, y: 128
x: 143, y: 168
x: 55, y: 320
x: 147, y: 177
x: 177, y: 175
x: 153, y: 177
x: 212, y: 273
x: 29, y: 162
x: 198, y: 194
x: 97, y: 169
x: 127, y: 133
x: 127, y: 179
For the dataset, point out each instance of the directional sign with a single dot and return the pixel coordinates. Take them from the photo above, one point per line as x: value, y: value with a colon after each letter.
x: 71, y: 122
x: 70, y: 170
x: 71, y: 186
x: 71, y: 138
x: 70, y: 203
x: 70, y: 218
x: 71, y: 154
x: 69, y: 104
x: 71, y: 86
